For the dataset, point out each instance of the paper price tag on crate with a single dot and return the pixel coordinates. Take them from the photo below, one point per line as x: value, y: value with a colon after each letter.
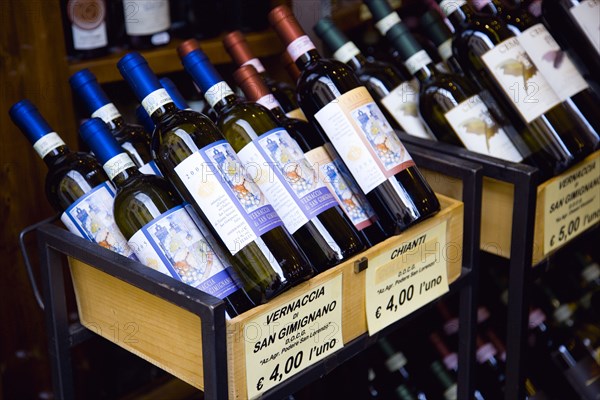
x: 405, y: 277
x: 286, y: 340
x: 572, y: 203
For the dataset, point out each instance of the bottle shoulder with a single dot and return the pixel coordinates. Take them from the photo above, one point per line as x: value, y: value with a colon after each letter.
x: 146, y: 191
x: 243, y: 121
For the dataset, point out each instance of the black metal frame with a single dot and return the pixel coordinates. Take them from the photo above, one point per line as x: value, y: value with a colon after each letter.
x: 55, y: 243
x: 525, y: 180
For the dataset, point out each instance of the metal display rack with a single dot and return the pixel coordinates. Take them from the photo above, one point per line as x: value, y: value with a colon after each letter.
x: 56, y: 243
x: 525, y: 180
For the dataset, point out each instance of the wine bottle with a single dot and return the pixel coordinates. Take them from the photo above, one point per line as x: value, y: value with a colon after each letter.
x: 147, y: 23
x: 553, y: 63
x: 159, y: 230
x: 445, y: 380
x: 438, y: 32
x: 491, y: 54
x: 575, y: 24
x: 308, y: 209
x: 239, y: 50
x: 454, y: 110
x: 320, y: 155
x: 85, y: 28
x: 75, y: 184
x: 185, y: 145
x: 489, y: 373
x: 396, y: 97
x: 133, y: 138
x: 342, y: 110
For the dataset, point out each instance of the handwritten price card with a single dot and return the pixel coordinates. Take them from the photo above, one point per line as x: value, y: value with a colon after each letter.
x: 572, y: 203
x: 405, y: 277
x: 293, y: 336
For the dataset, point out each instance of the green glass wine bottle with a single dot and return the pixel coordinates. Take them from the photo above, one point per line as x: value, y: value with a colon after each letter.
x: 76, y: 185
x: 308, y: 209
x: 195, y: 158
x: 159, y: 230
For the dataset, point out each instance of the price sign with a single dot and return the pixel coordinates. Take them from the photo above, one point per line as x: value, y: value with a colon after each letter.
x: 405, y: 277
x: 572, y: 204
x: 284, y: 341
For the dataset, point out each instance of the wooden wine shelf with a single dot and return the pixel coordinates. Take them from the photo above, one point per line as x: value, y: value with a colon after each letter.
x: 497, y: 209
x: 164, y: 60
x: 170, y: 337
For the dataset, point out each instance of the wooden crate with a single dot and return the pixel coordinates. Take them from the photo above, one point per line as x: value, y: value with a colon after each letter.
x: 497, y: 208
x: 170, y: 337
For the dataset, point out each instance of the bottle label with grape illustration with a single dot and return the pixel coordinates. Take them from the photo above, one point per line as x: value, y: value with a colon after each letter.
x: 402, y: 104
x: 229, y: 198
x: 479, y: 132
x: 554, y: 64
x: 520, y: 80
x: 337, y: 178
x: 173, y: 245
x: 277, y: 164
x: 586, y: 15
x: 91, y: 217
x: 363, y: 138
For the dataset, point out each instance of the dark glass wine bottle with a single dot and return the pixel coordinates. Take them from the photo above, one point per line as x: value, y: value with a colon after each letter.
x: 490, y: 53
x: 143, y: 117
x: 322, y: 158
x: 342, y: 110
x: 187, y: 147
x: 397, y: 97
x: 75, y: 185
x: 158, y: 229
x: 575, y: 24
x: 133, y: 138
x: 147, y: 23
x: 438, y: 32
x: 553, y: 63
x: 85, y: 27
x: 306, y: 206
x: 239, y: 50
x: 454, y: 110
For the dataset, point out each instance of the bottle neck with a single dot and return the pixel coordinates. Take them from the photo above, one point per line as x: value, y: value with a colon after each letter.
x: 225, y: 103
x: 307, y: 58
x: 421, y: 66
x: 163, y: 111
x: 53, y: 155
x: 459, y: 16
x: 357, y: 62
x: 110, y: 115
x: 120, y: 169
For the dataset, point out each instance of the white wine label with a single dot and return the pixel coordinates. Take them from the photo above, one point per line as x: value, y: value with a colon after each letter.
x: 107, y: 113
x: 403, y: 104
x: 150, y: 168
x: 118, y: 164
x: 229, y: 198
x: 572, y: 203
x: 479, y: 132
x: 146, y: 17
x: 47, y: 143
x: 297, y: 114
x: 300, y: 46
x: 172, y: 244
x: 217, y: 92
x: 445, y: 50
x: 386, y: 23
x: 255, y: 62
x: 91, y: 217
x: 587, y: 15
x: 346, y: 53
x: 404, y: 277
x: 340, y: 183
x: 552, y: 61
x: 293, y: 335
x: 269, y: 101
x: 363, y: 138
x: 89, y: 39
x: 449, y: 6
x: 417, y: 61
x: 277, y: 164
x: 156, y: 100
x: 520, y: 80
